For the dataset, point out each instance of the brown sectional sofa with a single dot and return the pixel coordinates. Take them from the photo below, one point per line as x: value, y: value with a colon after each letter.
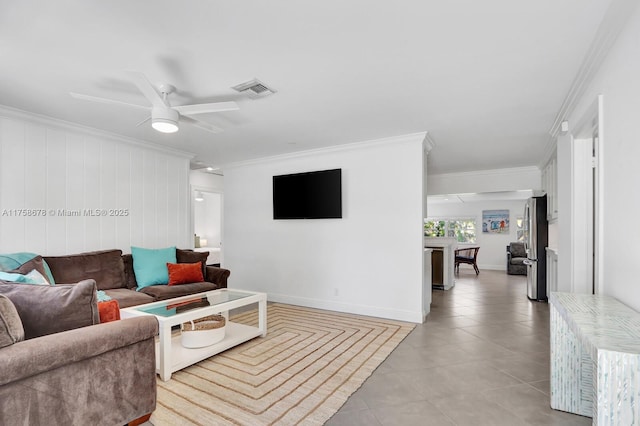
x: 100, y: 374
x: 113, y: 272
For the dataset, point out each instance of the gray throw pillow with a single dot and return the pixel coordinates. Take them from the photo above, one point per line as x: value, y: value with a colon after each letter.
x: 34, y: 264
x: 51, y: 309
x: 11, y: 330
x: 190, y: 256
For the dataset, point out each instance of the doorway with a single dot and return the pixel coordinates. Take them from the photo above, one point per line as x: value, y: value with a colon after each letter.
x: 586, y: 201
x: 207, y: 224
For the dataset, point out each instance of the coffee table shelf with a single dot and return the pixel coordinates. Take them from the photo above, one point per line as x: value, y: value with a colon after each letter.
x: 182, y: 357
x: 171, y: 356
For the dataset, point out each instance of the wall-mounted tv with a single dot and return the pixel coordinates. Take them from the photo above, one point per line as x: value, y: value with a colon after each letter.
x: 311, y: 195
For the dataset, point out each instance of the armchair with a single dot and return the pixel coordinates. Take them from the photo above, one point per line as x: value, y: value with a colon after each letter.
x: 516, y: 254
x: 468, y: 255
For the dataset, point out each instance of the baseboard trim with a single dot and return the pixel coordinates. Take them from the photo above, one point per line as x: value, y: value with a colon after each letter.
x: 372, y: 311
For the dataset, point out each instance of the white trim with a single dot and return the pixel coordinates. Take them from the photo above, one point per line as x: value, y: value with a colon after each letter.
x: 13, y: 113
x: 409, y: 138
x: 584, y: 130
x: 192, y: 219
x: 500, y: 172
x: 549, y: 152
x: 452, y: 217
x: 600, y: 194
x: 611, y: 25
x: 373, y: 311
x: 429, y: 143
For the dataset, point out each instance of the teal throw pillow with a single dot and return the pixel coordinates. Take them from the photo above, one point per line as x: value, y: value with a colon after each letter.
x: 33, y: 277
x: 12, y: 277
x: 150, y: 265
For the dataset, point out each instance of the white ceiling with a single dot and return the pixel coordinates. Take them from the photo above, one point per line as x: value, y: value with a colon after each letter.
x: 484, y: 78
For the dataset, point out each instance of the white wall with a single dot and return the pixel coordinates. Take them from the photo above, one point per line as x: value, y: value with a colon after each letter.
x: 206, y: 181
x: 485, y: 181
x: 368, y: 262
x: 49, y: 166
x: 492, y: 254
x: 617, y: 80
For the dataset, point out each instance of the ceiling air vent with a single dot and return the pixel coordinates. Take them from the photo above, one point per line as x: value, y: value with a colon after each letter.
x: 254, y: 89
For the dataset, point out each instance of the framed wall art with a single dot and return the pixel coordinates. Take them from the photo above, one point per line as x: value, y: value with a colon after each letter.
x: 495, y: 221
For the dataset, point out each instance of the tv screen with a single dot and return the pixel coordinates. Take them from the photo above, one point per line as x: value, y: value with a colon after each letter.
x: 312, y: 195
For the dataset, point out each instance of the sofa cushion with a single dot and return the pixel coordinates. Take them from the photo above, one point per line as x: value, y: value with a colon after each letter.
x: 162, y: 292
x: 45, y: 309
x: 11, y: 330
x: 127, y: 297
x: 150, y: 265
x: 184, y: 273
x: 36, y: 264
x: 105, y: 267
x: 517, y: 260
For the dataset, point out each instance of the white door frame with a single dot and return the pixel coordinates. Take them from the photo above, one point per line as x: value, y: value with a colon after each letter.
x: 584, y: 195
x: 193, y: 190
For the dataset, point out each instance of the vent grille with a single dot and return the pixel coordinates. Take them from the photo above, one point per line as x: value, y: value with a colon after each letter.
x: 254, y: 89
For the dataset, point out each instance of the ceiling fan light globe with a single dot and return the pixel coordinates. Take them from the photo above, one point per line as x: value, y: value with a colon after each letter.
x: 163, y: 125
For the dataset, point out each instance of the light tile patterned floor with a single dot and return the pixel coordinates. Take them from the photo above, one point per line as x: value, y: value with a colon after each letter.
x: 482, y: 358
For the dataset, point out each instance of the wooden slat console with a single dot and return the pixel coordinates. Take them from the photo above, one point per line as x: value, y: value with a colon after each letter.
x: 595, y: 358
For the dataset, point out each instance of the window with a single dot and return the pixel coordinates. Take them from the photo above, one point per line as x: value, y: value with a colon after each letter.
x: 463, y: 230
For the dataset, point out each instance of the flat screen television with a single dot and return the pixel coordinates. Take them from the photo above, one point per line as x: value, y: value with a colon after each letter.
x: 311, y: 195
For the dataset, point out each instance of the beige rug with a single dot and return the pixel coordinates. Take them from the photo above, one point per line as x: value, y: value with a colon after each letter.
x: 301, y: 373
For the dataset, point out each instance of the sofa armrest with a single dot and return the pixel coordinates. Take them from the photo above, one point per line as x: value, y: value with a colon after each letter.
x: 45, y: 353
x: 216, y: 275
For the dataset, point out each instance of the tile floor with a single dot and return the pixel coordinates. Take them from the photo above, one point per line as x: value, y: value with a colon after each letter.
x: 482, y: 358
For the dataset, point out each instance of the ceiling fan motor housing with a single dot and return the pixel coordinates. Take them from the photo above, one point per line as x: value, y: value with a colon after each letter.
x: 165, y: 119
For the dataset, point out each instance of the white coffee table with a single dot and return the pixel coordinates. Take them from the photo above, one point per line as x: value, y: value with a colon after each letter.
x: 171, y: 356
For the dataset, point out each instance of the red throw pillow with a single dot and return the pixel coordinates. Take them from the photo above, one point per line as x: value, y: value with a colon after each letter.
x: 109, y: 311
x: 185, y: 273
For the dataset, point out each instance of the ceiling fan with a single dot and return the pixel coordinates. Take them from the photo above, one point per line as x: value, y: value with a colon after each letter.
x: 164, y: 117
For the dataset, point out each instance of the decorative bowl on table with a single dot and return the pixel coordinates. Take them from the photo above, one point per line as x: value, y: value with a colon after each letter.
x: 203, y: 332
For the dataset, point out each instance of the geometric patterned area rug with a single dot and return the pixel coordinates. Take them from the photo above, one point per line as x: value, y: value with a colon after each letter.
x: 302, y: 372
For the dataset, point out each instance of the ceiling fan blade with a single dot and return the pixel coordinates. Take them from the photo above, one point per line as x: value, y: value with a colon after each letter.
x: 201, y: 124
x: 104, y: 100
x: 143, y: 121
x: 147, y: 89
x: 205, y: 108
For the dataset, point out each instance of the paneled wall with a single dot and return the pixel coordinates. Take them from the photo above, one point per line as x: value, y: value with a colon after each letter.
x: 67, y: 190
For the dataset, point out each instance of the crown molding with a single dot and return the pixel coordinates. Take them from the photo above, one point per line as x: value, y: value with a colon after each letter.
x: 50, y: 122
x: 612, y: 24
x: 549, y: 150
x: 393, y: 140
x: 494, y: 172
x: 429, y: 143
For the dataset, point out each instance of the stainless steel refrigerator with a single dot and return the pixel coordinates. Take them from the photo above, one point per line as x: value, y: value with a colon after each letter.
x: 535, y: 238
